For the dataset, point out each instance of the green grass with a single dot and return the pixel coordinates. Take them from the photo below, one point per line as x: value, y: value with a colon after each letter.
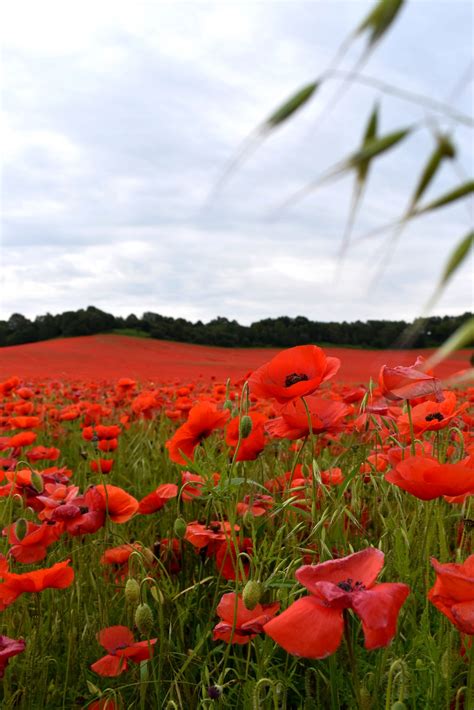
x: 422, y: 667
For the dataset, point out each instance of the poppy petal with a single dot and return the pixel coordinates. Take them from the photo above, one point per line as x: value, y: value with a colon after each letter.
x: 307, y: 629
x: 378, y: 608
x: 364, y: 567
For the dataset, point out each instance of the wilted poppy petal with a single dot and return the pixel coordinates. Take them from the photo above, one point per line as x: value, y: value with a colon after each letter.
x: 378, y: 608
x: 307, y: 629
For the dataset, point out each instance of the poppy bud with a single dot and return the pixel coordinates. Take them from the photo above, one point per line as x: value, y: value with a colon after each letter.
x: 132, y: 591
x: 228, y: 405
x: 21, y: 528
x: 399, y: 705
x: 365, y: 698
x: 245, y: 426
x: 37, y: 482
x: 252, y: 594
x: 143, y: 619
x: 180, y: 528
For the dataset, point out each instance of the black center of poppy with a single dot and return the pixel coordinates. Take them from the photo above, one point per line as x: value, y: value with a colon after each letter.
x: 434, y: 415
x: 294, y: 378
x: 214, y: 527
x: 348, y: 585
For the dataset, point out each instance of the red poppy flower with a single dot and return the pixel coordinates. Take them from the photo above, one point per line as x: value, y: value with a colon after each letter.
x: 426, y: 478
x: 102, y: 466
x: 120, y: 505
x: 238, y: 624
x: 295, y: 372
x: 59, y: 576
x: 156, y: 500
x: 312, y: 626
x: 399, y: 382
x: 8, y: 648
x: 226, y: 558
x: 203, y: 419
x: 453, y: 593
x: 209, y: 536
x: 325, y: 414
x: 24, y: 422
x: 121, y: 647
x: 25, y: 438
x: 32, y: 547
x: 431, y: 416
x: 256, y: 504
x: 42, y: 453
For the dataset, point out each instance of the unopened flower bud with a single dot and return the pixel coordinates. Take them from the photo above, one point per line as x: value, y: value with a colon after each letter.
x: 228, y: 405
x: 245, y: 426
x: 37, y: 482
x: 180, y: 528
x: 132, y: 591
x: 21, y: 528
x: 399, y: 705
x: 143, y: 619
x: 252, y: 594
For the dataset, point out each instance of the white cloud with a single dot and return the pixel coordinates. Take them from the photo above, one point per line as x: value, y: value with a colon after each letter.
x: 118, y: 118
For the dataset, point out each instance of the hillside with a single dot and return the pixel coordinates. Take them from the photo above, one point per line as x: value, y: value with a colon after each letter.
x: 112, y: 356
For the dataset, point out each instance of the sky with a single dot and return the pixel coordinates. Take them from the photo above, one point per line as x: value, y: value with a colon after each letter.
x: 118, y: 120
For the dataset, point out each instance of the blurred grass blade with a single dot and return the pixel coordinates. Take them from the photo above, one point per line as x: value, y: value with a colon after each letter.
x: 375, y: 147
x: 454, y: 262
x: 293, y: 104
x: 463, y: 337
x: 462, y: 191
x: 379, y: 19
x: 357, y: 161
x: 457, y: 257
x: 444, y: 149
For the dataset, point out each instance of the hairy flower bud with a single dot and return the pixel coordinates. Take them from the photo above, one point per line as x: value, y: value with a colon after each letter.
x: 180, y: 528
x: 245, y: 426
x: 252, y: 594
x: 37, y: 482
x: 143, y: 619
x: 132, y: 591
x: 21, y: 528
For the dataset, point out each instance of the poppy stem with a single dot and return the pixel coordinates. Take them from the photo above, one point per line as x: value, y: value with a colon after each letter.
x: 352, y: 658
x: 412, y: 431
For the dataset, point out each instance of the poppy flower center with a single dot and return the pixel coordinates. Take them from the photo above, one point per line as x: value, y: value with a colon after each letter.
x: 294, y: 378
x: 214, y: 527
x: 434, y: 415
x: 348, y: 585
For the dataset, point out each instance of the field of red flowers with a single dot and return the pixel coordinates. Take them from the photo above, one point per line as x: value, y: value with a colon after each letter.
x: 189, y: 527
x: 102, y: 357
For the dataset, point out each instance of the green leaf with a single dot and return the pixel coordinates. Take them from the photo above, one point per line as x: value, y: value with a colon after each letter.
x: 379, y: 19
x: 462, y: 191
x: 290, y: 106
x: 457, y: 257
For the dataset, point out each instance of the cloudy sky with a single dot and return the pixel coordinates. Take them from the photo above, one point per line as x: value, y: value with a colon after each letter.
x: 119, y: 117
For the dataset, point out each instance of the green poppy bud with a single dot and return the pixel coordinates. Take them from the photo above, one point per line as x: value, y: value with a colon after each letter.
x: 180, y: 528
x: 245, y: 426
x: 132, y: 591
x: 21, y: 528
x: 399, y: 705
x: 37, y: 482
x: 252, y: 594
x: 143, y: 619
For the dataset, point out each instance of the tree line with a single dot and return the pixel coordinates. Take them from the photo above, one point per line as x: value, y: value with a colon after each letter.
x: 276, y: 332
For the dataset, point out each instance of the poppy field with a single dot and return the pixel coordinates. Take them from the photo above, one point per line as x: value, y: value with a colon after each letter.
x: 276, y: 529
